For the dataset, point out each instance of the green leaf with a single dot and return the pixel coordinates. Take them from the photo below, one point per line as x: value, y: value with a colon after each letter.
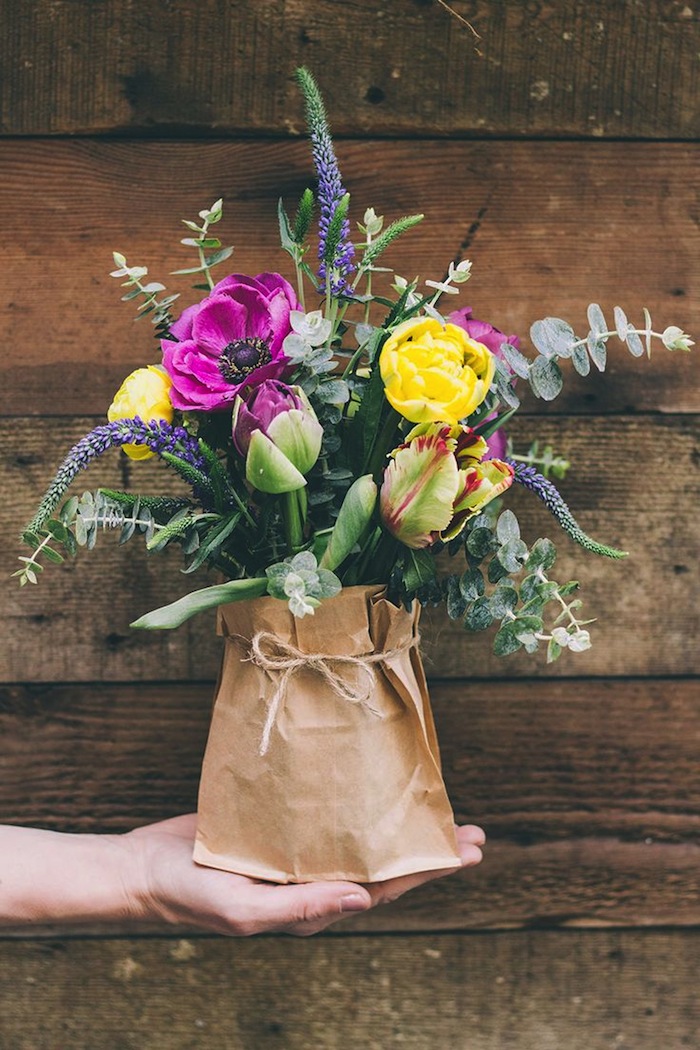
x: 554, y: 651
x: 553, y: 337
x: 353, y: 519
x: 57, y: 529
x: 634, y: 343
x: 506, y: 640
x: 545, y: 378
x: 456, y: 605
x: 419, y: 570
x: 596, y: 320
x: 480, y: 542
x: 512, y: 555
x: 542, y: 555
x: 169, y: 616
x: 517, y: 361
x: 217, y: 257
x: 32, y: 539
x: 581, y: 360
x: 503, y: 601
x: 599, y: 353
x: 507, y: 527
x: 471, y: 585
x: 621, y: 323
x: 51, y: 555
x: 479, y: 616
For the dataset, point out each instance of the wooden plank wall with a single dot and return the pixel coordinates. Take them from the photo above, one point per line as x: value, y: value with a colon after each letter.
x: 560, y: 155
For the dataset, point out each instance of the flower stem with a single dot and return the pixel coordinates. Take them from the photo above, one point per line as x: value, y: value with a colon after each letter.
x: 293, y: 522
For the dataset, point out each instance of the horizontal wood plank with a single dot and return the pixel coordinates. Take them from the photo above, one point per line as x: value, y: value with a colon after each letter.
x: 571, y: 781
x: 163, y: 66
x: 549, y: 227
x: 582, y: 991
x: 634, y: 484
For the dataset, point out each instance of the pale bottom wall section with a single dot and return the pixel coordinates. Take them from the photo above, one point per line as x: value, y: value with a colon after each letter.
x: 528, y: 990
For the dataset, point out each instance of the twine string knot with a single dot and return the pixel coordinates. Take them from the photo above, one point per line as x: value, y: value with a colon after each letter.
x: 283, y: 660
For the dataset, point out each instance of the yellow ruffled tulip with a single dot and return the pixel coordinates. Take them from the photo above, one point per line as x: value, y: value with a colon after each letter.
x: 144, y: 393
x: 433, y: 372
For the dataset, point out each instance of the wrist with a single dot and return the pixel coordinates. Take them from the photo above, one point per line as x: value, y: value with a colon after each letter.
x: 48, y: 877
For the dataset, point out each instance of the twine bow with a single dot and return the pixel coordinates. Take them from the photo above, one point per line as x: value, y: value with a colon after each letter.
x: 283, y: 660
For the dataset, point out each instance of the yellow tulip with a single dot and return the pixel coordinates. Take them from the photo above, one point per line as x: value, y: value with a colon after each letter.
x: 144, y: 393
x: 433, y: 372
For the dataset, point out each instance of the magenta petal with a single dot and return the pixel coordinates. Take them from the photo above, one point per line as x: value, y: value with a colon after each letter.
x: 182, y: 328
x: 220, y: 321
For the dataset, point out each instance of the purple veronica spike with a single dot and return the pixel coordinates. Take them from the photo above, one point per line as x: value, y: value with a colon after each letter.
x: 330, y: 187
x: 530, y: 479
x: 158, y: 435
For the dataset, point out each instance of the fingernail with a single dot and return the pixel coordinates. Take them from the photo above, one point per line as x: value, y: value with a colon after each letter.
x: 354, y: 902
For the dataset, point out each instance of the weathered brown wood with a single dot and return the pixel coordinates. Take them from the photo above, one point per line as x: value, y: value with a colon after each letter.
x: 634, y: 483
x: 581, y: 991
x: 161, y: 66
x: 549, y: 226
x: 589, y: 790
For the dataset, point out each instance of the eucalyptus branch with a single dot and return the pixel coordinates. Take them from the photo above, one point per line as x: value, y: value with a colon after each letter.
x: 204, y: 243
x: 162, y: 318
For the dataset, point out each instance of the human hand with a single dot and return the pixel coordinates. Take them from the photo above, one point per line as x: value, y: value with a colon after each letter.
x: 171, y: 887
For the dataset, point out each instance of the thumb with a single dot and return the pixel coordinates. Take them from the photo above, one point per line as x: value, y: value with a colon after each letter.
x: 313, y: 905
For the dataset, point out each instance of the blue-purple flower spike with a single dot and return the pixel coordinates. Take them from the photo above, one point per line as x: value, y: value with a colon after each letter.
x: 330, y: 186
x: 158, y: 435
x: 530, y: 479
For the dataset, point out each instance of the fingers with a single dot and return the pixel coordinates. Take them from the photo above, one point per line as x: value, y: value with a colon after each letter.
x: 309, y: 907
x: 470, y: 838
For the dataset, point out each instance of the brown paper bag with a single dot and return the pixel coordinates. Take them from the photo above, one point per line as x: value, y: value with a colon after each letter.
x: 308, y: 776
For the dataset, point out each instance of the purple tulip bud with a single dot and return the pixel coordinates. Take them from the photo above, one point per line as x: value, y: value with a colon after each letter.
x: 257, y: 409
x: 276, y: 430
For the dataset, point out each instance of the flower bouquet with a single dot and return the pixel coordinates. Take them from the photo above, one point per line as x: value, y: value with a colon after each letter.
x: 342, y: 449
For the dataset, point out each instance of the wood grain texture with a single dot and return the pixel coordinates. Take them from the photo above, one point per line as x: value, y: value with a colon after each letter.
x: 586, y: 68
x: 550, y: 227
x: 634, y: 484
x: 611, y: 991
x: 589, y: 790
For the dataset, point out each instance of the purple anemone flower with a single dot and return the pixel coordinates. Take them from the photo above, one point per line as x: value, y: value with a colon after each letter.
x: 231, y: 339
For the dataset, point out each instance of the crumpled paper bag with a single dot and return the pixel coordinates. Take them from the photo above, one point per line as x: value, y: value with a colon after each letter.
x: 306, y: 778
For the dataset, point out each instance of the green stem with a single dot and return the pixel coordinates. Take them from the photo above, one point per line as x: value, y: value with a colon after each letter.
x: 202, y: 257
x: 293, y: 522
x: 375, y: 460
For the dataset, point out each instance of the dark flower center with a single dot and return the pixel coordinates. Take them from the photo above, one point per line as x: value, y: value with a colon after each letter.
x: 241, y: 358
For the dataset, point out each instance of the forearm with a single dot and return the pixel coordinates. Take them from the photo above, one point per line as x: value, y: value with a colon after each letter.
x: 50, y: 877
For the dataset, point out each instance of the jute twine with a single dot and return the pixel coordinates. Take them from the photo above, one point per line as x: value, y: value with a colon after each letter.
x: 283, y: 660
